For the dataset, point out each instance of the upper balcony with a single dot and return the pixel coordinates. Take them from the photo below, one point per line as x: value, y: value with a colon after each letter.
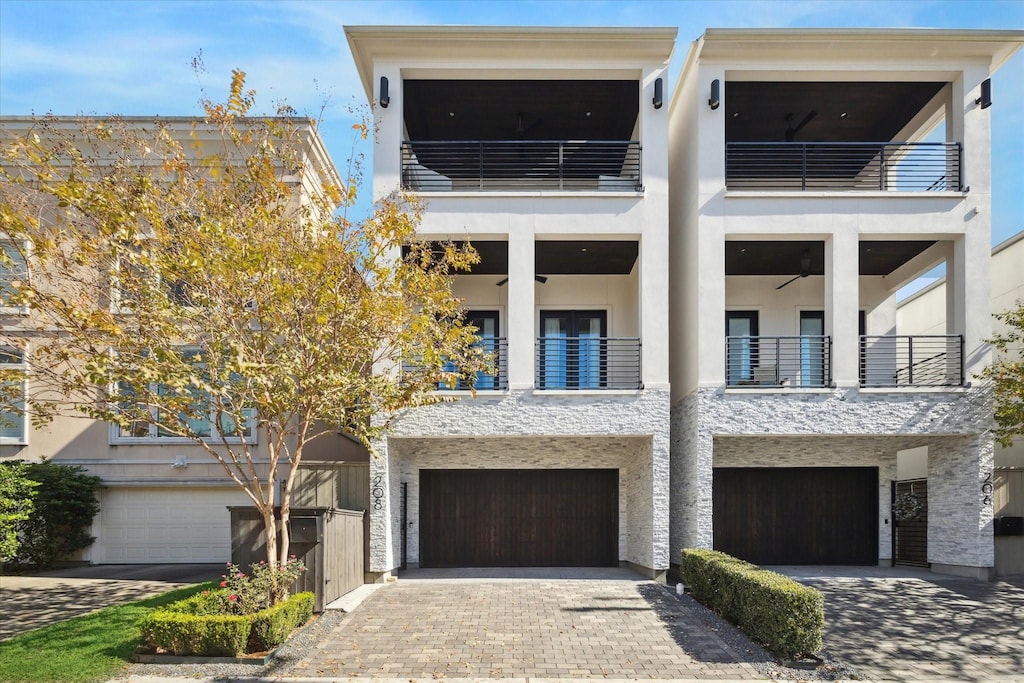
x: 839, y: 137
x: 521, y: 135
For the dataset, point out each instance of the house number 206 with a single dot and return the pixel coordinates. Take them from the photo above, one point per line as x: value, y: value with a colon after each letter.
x: 986, y: 490
x: 377, y: 493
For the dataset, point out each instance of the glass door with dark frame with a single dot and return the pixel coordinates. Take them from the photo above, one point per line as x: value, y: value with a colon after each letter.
x: 572, y: 352
x: 812, y: 348
x: 486, y: 323
x: 741, y: 347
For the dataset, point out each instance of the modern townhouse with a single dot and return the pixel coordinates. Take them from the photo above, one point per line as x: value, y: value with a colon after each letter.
x: 924, y: 313
x: 163, y: 499
x: 547, y: 148
x: 813, y: 173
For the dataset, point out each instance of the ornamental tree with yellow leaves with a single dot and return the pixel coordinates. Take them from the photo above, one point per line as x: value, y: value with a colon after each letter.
x: 204, y: 285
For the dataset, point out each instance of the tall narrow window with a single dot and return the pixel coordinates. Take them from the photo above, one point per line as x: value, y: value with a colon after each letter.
x: 812, y: 348
x: 13, y: 271
x: 741, y: 352
x: 12, y: 404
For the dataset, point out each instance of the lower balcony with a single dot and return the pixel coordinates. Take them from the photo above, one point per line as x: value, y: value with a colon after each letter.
x: 912, y: 361
x: 782, y: 361
x: 588, y: 363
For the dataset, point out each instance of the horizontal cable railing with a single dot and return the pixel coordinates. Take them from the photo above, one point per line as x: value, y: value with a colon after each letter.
x: 783, y: 361
x: 842, y: 166
x: 482, y: 165
x: 912, y: 361
x: 588, y: 363
x: 495, y: 348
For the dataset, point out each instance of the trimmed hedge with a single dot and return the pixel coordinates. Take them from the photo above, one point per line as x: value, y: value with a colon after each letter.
x: 785, y: 616
x: 190, y: 626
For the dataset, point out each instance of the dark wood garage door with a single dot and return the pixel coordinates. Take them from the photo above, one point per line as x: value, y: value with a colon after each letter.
x: 519, y: 518
x: 784, y: 515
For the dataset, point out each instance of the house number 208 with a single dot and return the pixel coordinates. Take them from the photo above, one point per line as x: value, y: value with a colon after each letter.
x: 377, y: 493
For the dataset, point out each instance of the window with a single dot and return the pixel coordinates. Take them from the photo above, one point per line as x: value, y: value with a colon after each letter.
x: 13, y: 269
x: 12, y: 406
x: 573, y: 353
x: 741, y: 346
x: 486, y: 323
x: 200, y: 416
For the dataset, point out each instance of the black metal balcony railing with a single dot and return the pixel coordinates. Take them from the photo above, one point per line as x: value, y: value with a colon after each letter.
x: 912, y: 361
x: 496, y: 348
x: 785, y: 361
x: 843, y: 166
x: 588, y: 363
x: 483, y: 165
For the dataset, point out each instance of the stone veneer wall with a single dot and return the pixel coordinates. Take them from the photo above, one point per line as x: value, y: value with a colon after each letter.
x: 861, y: 426
x: 533, y: 414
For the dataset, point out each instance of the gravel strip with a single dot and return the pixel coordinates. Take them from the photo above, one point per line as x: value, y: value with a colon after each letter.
x: 291, y: 653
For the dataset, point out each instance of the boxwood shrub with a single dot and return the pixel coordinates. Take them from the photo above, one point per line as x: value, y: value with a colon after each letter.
x: 785, y: 616
x: 192, y: 626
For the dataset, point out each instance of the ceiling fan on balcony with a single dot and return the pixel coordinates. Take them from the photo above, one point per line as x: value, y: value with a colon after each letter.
x: 791, y: 131
x: 805, y: 268
x: 539, y: 278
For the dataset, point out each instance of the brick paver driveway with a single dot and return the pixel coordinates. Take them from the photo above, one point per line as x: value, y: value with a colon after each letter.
x: 910, y: 625
x: 546, y: 628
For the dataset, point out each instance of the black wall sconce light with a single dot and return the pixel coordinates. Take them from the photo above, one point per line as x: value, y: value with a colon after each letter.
x: 986, y: 94
x: 659, y: 92
x: 715, y: 98
x: 384, y: 98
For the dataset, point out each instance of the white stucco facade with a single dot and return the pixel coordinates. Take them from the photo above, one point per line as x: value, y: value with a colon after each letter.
x: 525, y: 425
x: 851, y: 423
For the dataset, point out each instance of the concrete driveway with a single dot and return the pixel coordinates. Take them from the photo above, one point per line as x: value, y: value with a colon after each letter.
x: 535, y: 623
x: 912, y: 625
x: 31, y: 601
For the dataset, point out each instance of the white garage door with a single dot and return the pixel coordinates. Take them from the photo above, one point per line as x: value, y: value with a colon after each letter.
x: 151, y: 525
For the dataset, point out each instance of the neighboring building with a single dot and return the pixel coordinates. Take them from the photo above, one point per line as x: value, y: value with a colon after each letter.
x: 924, y: 313
x: 547, y: 148
x: 163, y: 498
x: 806, y: 189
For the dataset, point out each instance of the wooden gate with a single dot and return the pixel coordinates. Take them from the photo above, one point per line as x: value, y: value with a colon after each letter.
x: 910, y: 522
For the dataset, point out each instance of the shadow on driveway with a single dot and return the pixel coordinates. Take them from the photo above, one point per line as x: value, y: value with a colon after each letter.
x: 30, y: 601
x: 897, y: 624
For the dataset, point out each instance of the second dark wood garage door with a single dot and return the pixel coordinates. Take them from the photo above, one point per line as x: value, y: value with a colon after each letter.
x: 796, y: 515
x: 524, y: 518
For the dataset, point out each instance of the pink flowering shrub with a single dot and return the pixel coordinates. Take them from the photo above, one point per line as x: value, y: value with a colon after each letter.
x: 261, y: 588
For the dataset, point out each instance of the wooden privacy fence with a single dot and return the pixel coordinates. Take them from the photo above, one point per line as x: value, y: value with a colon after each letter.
x: 329, y: 541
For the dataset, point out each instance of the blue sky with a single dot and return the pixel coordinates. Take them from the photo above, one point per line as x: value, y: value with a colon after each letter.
x: 134, y: 58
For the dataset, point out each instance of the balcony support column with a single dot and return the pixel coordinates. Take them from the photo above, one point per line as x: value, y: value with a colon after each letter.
x: 842, y: 301
x: 521, y: 294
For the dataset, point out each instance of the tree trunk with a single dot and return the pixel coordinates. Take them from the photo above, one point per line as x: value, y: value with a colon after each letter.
x: 270, y: 525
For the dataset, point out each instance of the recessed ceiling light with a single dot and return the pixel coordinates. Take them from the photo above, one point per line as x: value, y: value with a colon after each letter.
x: 451, y: 113
x: 735, y: 114
x: 583, y: 249
x: 843, y: 115
x: 588, y: 113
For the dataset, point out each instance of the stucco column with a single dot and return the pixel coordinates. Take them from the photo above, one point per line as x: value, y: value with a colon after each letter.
x: 842, y: 300
x: 521, y: 335
x: 387, y: 134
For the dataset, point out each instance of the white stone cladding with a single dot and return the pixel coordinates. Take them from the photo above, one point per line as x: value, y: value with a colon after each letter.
x: 836, y: 428
x: 536, y: 430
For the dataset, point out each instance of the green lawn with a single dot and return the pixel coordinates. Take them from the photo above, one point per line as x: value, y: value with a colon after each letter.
x: 93, y: 647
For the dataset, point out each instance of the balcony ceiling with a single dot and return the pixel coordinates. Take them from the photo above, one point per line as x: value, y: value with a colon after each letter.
x: 520, y: 110
x: 558, y: 257
x: 756, y: 111
x: 783, y: 258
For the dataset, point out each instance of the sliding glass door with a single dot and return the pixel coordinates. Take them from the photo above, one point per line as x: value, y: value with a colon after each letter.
x: 572, y: 353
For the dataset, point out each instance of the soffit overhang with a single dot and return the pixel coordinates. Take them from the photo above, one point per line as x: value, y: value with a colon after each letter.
x: 614, y: 47
x: 819, y: 46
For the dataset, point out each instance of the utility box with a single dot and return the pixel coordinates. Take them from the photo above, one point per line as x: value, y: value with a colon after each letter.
x: 329, y: 542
